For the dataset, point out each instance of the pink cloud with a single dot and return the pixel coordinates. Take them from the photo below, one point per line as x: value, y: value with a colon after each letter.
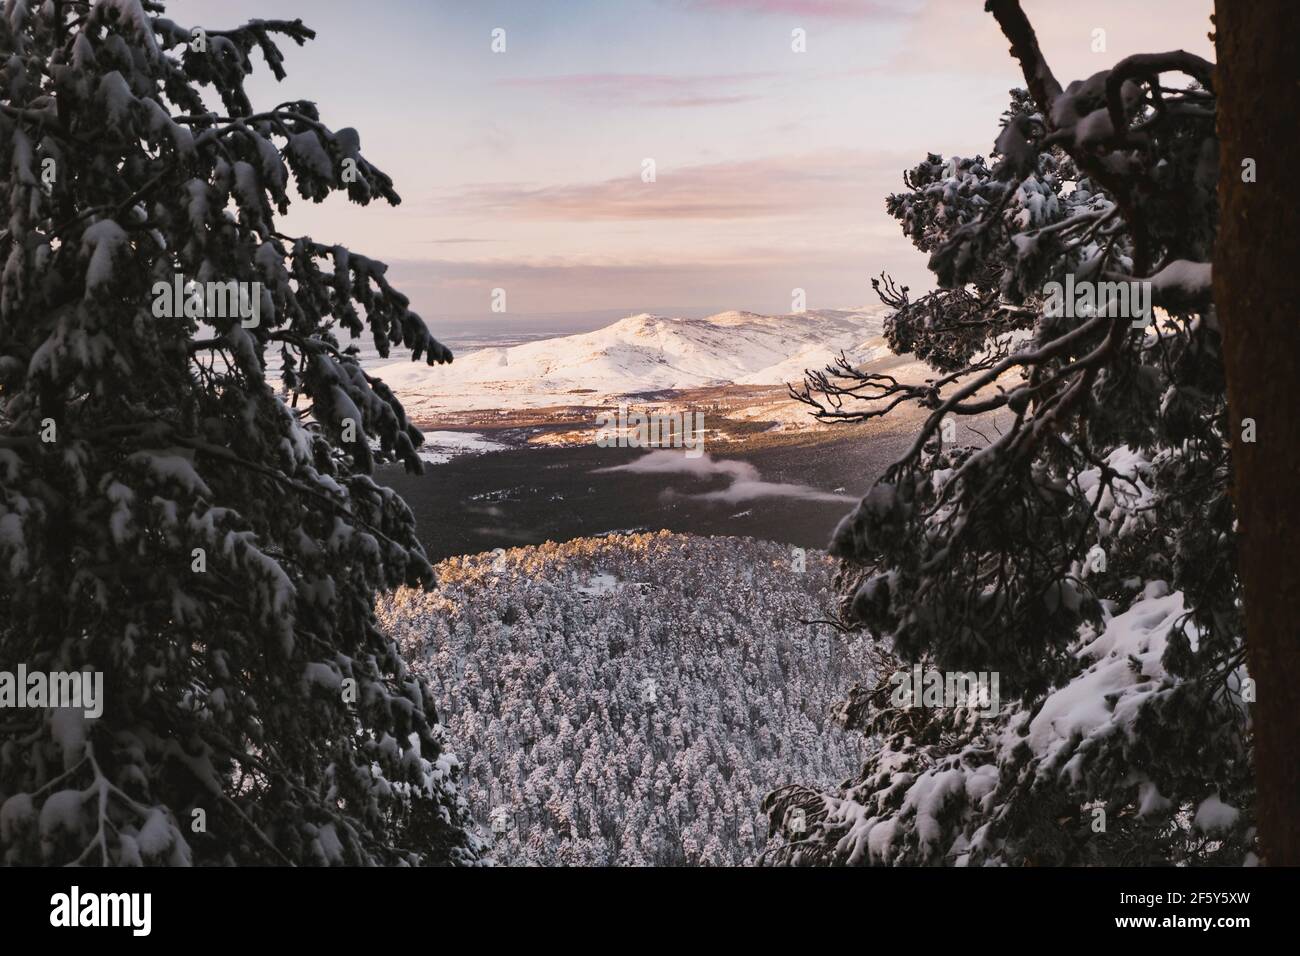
x: 815, y: 9
x: 691, y: 101
x: 644, y: 89
x: 721, y: 275
x: 774, y: 187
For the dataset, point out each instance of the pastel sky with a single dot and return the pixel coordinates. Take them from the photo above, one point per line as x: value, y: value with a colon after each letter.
x: 522, y: 170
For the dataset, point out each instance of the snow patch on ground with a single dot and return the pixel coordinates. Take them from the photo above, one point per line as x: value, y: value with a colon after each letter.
x: 442, y: 447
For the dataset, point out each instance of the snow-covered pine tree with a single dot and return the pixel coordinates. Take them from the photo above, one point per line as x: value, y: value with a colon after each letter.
x: 1086, y: 552
x: 172, y: 517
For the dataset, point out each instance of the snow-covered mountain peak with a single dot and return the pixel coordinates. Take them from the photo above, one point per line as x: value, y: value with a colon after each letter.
x: 646, y: 352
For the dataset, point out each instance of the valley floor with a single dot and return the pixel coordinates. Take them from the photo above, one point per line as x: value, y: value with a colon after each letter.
x: 530, y: 493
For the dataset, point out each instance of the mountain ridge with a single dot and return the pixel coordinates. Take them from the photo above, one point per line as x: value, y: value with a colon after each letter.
x: 643, y: 353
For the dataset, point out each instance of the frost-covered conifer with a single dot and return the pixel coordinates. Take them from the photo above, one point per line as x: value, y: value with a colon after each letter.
x: 553, y: 704
x: 1085, y: 551
x: 185, y: 496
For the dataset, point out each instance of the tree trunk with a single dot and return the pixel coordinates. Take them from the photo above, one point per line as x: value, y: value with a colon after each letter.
x: 1257, y: 294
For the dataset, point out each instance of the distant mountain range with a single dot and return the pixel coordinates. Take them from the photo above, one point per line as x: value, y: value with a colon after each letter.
x: 638, y: 354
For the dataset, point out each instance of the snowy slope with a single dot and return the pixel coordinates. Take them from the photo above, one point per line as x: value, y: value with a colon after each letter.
x: 639, y: 354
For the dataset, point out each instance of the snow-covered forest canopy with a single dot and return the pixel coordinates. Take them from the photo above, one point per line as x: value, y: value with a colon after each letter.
x: 207, y: 538
x: 629, y: 700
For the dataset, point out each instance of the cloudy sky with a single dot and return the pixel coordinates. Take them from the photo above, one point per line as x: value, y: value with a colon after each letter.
x: 522, y: 169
